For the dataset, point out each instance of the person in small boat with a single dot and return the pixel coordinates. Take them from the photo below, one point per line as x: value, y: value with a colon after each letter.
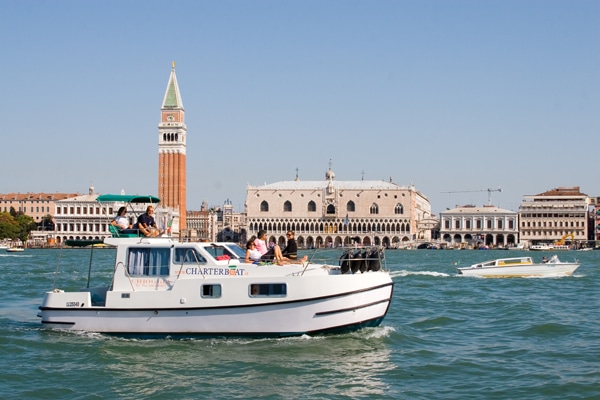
x: 252, y: 254
x: 544, y: 260
x: 146, y: 223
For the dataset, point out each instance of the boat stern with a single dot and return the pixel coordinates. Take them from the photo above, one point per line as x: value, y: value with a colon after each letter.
x: 59, y: 299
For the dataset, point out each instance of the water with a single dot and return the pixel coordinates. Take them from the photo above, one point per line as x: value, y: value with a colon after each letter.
x: 445, y: 337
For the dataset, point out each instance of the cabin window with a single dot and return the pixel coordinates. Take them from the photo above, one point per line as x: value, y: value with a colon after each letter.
x: 148, y: 261
x: 268, y: 289
x: 211, y: 291
x: 220, y: 253
x: 187, y: 255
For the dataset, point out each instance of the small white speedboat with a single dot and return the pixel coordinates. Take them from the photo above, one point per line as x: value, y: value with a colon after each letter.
x: 520, y: 267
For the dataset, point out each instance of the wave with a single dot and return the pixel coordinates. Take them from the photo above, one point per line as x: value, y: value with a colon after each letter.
x: 403, y: 273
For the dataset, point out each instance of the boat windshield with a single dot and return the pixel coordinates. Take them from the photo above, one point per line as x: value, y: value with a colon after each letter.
x: 220, y: 252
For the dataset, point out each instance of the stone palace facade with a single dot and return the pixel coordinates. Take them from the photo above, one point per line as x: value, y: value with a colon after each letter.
x: 332, y: 213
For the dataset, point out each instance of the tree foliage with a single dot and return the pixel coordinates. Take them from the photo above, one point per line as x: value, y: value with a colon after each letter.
x: 16, y: 225
x: 9, y: 227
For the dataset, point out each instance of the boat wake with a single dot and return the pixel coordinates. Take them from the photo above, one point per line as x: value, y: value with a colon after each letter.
x: 404, y: 273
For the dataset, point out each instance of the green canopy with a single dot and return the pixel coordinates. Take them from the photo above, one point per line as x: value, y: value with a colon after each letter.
x: 127, y: 198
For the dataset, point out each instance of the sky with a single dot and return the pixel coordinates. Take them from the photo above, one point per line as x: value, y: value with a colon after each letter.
x: 457, y: 97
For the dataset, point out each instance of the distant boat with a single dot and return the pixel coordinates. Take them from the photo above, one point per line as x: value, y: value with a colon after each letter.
x: 520, y: 267
x: 542, y: 247
x: 14, y: 249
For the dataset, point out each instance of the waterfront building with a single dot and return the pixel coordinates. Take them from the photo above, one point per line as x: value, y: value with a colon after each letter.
x: 35, y: 205
x: 332, y: 213
x: 172, y: 151
x: 469, y: 226
x: 81, y: 217
x: 214, y: 224
x: 557, y: 214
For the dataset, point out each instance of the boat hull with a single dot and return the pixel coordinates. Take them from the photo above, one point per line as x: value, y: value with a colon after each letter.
x: 532, y: 270
x: 363, y: 304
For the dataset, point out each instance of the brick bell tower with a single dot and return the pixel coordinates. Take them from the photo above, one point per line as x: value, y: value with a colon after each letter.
x: 171, y: 150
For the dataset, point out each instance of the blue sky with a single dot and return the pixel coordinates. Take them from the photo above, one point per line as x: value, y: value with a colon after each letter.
x: 452, y: 96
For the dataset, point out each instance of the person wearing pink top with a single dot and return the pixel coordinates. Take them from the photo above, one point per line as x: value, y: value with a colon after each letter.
x: 268, y: 254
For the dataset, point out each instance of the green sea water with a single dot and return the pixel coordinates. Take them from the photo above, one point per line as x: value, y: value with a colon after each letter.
x: 445, y: 337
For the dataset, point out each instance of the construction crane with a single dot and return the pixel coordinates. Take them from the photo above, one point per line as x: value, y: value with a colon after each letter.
x: 480, y: 190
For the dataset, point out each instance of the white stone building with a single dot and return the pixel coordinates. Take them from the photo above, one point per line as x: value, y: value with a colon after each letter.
x: 555, y: 214
x: 332, y: 213
x: 468, y: 226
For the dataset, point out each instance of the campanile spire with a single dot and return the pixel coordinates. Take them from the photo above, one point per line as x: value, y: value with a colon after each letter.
x: 172, y: 150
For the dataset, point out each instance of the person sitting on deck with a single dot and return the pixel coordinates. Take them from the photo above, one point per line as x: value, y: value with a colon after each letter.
x: 146, y: 223
x: 252, y: 255
x: 273, y: 254
x: 122, y: 222
x: 291, y: 249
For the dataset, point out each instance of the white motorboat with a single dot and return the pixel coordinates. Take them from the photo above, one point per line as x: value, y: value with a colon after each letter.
x: 14, y: 250
x: 541, y: 247
x: 520, y: 267
x: 163, y: 287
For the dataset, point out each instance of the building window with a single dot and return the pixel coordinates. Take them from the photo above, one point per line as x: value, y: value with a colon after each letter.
x: 312, y: 207
x: 457, y: 224
x: 374, y: 209
x: 264, y: 206
x: 287, y: 206
x: 350, y: 206
x: 331, y: 209
x: 399, y: 209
